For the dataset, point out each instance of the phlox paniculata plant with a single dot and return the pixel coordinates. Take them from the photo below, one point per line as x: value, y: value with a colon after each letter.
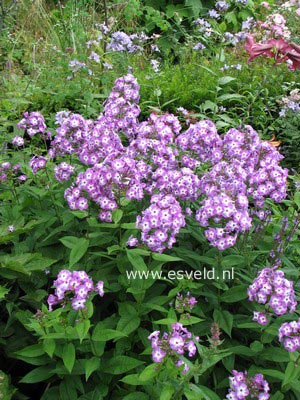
x: 220, y: 180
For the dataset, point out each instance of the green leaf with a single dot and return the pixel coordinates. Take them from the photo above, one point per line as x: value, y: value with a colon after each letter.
x: 132, y: 379
x: 195, y: 6
x: 233, y: 96
x: 49, y: 347
x: 204, y: 391
x: 225, y: 320
x: 136, y: 261
x: 277, y: 396
x: 234, y: 294
x: 82, y: 328
x: 165, y: 257
x: 148, y: 373
x: 117, y: 215
x: 101, y: 334
x: 3, y: 292
x: 128, y: 324
x: 78, y: 251
x: 166, y: 321
x: 225, y: 79
x: 90, y: 366
x: 231, y: 260
x: 121, y: 364
x: 297, y: 199
x: 38, y: 374
x: 191, y: 320
x: 68, y: 356
x: 31, y: 351
x: 167, y: 392
x: 136, y: 396
x: 69, y: 241
x: 291, y: 373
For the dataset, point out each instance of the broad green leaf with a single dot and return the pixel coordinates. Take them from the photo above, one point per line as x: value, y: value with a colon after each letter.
x: 204, y: 391
x: 297, y: 199
x: 82, y: 328
x: 165, y: 257
x: 224, y: 319
x: 38, y: 374
x: 121, y: 364
x: 191, y: 320
x: 195, y: 6
x: 225, y: 79
x: 117, y: 215
x: 131, y: 379
x: 78, y: 251
x: 167, y: 393
x: 136, y: 261
x: 277, y: 396
x: 148, y: 373
x: 49, y: 347
x: 136, y: 396
x: 128, y: 324
x: 233, y: 96
x: 3, y: 292
x: 291, y: 373
x: 166, y: 321
x: 234, y: 294
x: 231, y: 260
x: 34, y: 350
x: 69, y: 241
x: 68, y: 356
x: 101, y: 334
x: 90, y: 366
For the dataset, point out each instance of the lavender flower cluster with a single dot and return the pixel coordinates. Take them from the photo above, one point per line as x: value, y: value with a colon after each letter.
x: 8, y: 171
x: 161, y: 222
x: 185, y: 303
x: 33, y: 123
x: 75, y: 287
x: 289, y: 334
x: 173, y: 345
x: 133, y: 43
x: 242, y: 386
x: 155, y: 160
x: 290, y: 103
x: 275, y: 291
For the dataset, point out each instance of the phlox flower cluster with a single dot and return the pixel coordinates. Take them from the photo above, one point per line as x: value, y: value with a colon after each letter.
x: 73, y: 286
x: 161, y: 222
x: 154, y: 159
x: 275, y: 27
x: 18, y: 141
x: 104, y: 183
x: 101, y: 142
x: 272, y: 289
x: 122, y: 105
x: 8, y: 171
x: 37, y: 162
x: 290, y: 103
x: 63, y: 171
x: 202, y: 141
x: 215, y: 335
x: 289, y: 334
x: 120, y: 41
x: 33, y: 123
x: 203, y: 26
x: 71, y: 134
x: 242, y: 387
x: 185, y: 303
x: 174, y: 345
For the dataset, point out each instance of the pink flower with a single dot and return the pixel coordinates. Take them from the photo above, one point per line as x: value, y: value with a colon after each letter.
x: 278, y: 49
x: 265, y: 4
